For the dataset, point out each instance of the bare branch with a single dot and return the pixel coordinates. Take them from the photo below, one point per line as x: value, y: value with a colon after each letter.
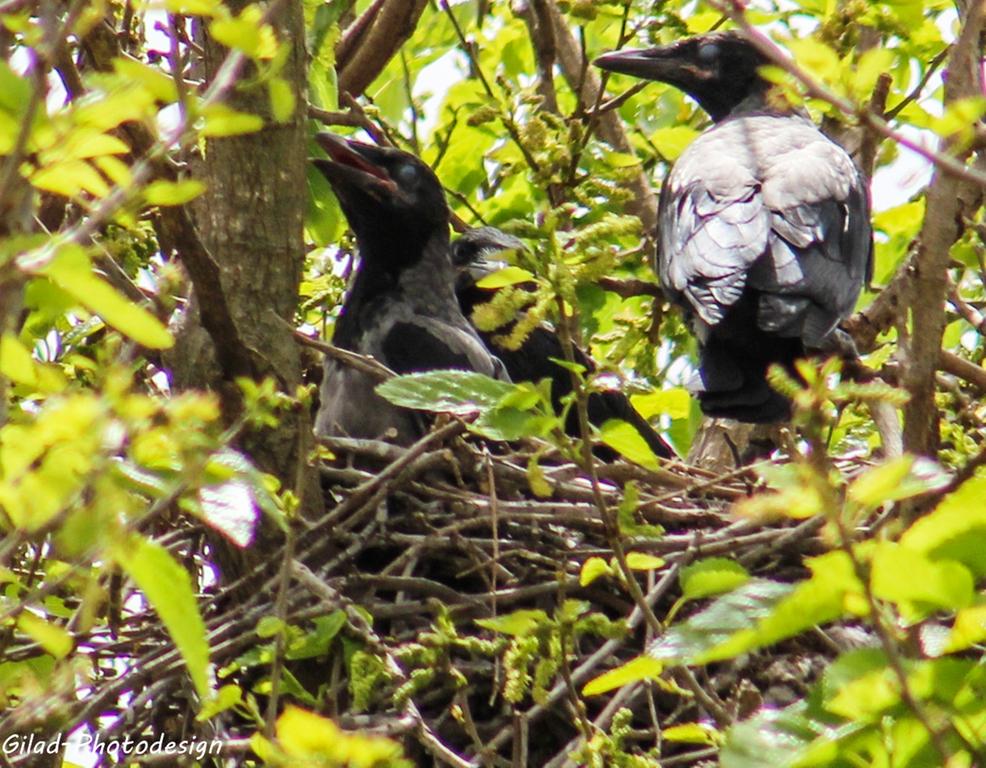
x: 373, y: 40
x: 377, y: 370
x: 965, y: 370
x: 950, y: 199
x: 571, y: 60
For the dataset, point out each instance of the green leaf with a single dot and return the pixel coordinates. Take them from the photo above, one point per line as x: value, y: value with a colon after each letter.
x: 620, y: 159
x: 282, y: 99
x: 904, y: 220
x: 246, y: 33
x: 641, y: 561
x: 82, y: 144
x: 692, y: 733
x: 699, y: 23
x: 867, y: 695
x: 635, y: 670
x: 797, y: 495
x: 739, y: 610
x: 515, y: 624
x: 316, y: 643
x: 831, y: 592
x: 674, y: 403
x: 114, y: 169
x: 673, y: 140
x: 816, y: 57
x: 45, y: 463
x: 917, y: 584
x: 70, y: 271
x: 466, y: 393
x: 899, y: 478
x: 711, y: 576
x: 16, y: 362
x: 308, y: 739
x: 592, y: 569
x: 968, y: 629
x: 153, y: 79
x: 227, y: 697
x: 537, y: 480
x: 960, y: 115
x: 51, y: 637
x: 269, y: 626
x: 221, y: 120
x: 504, y: 277
x: 462, y: 393
x: 769, y: 738
x: 623, y: 438
x: 15, y: 90
x: 956, y: 529
x: 868, y: 69
x: 173, y: 192
x: 168, y: 588
x: 626, y: 514
x: 69, y: 178
x: 194, y: 7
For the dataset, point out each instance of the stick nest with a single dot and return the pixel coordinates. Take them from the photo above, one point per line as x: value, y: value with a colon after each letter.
x: 452, y: 614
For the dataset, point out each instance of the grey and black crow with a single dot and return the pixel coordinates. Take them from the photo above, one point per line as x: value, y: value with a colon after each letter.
x: 532, y: 361
x: 765, y: 237
x: 401, y: 307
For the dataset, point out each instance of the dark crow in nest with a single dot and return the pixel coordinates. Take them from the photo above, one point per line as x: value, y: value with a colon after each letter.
x: 532, y: 360
x: 400, y: 308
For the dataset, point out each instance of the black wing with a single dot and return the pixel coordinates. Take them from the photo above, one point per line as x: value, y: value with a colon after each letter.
x: 425, y: 343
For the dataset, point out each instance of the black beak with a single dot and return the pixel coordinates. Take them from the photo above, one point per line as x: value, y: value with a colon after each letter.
x: 646, y: 63
x: 480, y: 267
x: 352, y: 164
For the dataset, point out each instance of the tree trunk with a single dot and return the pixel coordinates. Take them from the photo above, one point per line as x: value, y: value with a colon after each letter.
x: 251, y: 225
x: 950, y: 200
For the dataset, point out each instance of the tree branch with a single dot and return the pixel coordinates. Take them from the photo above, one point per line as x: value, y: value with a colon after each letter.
x: 570, y: 58
x: 372, y: 40
x: 949, y: 199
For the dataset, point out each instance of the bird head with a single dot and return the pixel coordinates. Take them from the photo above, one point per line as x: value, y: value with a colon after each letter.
x: 719, y: 70
x: 390, y: 198
x: 474, y: 252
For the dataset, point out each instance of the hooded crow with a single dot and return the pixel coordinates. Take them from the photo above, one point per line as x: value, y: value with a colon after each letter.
x: 400, y: 307
x: 532, y: 361
x: 765, y: 238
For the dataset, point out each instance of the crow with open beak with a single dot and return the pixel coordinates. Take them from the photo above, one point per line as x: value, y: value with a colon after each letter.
x: 400, y: 307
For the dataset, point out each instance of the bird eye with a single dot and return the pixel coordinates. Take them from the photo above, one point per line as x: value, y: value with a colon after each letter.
x: 406, y: 173
x: 708, y: 52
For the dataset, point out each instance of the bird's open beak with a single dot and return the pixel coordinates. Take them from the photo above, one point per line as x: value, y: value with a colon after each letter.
x: 351, y: 164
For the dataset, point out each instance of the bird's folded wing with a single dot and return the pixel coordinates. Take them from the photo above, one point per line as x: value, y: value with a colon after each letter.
x: 422, y: 343
x: 792, y: 224
x: 820, y: 250
x: 709, y: 240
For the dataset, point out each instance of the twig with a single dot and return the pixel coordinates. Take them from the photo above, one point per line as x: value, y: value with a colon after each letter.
x: 373, y: 40
x: 915, y: 92
x: 965, y: 370
x: 280, y: 612
x: 363, y: 363
x: 358, y: 623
